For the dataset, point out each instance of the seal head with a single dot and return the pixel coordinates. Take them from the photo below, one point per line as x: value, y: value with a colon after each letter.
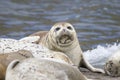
x: 63, y: 34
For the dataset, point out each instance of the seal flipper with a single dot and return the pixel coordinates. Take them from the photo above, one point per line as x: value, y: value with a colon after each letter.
x: 30, y: 39
x: 25, y: 53
x: 86, y: 64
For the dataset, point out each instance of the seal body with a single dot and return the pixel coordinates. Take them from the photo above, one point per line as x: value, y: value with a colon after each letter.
x: 42, y: 69
x: 38, y: 51
x: 5, y: 59
x: 62, y: 37
x: 41, y: 34
x: 11, y: 49
x: 112, y: 66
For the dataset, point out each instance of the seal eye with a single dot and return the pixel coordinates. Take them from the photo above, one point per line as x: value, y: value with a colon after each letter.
x: 58, y: 28
x: 69, y: 27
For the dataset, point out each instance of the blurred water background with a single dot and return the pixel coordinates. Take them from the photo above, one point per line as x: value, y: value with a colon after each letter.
x: 97, y: 22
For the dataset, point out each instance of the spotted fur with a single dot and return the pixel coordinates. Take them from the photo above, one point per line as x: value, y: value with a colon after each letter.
x: 42, y: 69
x: 112, y: 66
x: 5, y: 59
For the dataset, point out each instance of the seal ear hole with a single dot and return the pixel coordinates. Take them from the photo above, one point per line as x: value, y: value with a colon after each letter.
x: 69, y: 27
x: 57, y: 29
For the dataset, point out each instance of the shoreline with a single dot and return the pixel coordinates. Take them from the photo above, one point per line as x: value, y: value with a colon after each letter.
x: 97, y: 76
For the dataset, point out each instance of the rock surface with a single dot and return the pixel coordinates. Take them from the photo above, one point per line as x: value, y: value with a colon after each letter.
x: 97, y: 76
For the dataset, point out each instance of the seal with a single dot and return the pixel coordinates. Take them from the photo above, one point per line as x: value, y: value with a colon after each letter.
x: 42, y: 69
x: 38, y: 51
x: 112, y: 66
x: 11, y: 49
x: 39, y: 34
x: 30, y: 39
x: 35, y: 37
x: 5, y: 59
x: 62, y: 37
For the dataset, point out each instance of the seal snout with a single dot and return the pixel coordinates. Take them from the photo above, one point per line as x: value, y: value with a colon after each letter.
x: 64, y: 31
x: 65, y: 36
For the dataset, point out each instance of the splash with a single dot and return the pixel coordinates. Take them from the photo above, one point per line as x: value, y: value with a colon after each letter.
x: 98, y: 56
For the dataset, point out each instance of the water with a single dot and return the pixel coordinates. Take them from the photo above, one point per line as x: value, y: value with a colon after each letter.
x: 98, y: 56
x: 97, y: 22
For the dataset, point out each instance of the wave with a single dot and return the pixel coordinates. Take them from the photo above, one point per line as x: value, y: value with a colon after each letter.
x: 99, y: 55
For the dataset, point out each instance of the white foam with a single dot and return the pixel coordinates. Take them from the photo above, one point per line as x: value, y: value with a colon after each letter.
x: 100, y: 55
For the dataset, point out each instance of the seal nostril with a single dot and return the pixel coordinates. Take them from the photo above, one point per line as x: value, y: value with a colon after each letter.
x: 64, y: 30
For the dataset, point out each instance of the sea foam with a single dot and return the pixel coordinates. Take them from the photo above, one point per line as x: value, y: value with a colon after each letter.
x: 99, y: 55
